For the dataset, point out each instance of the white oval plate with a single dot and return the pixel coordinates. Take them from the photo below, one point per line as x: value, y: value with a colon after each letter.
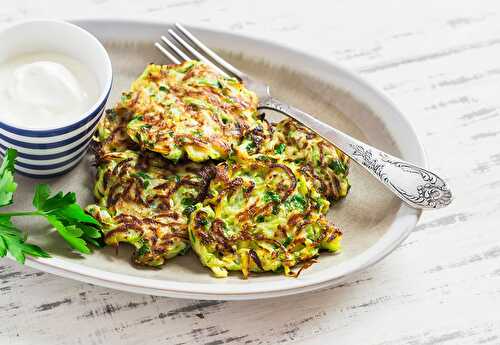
x: 374, y: 221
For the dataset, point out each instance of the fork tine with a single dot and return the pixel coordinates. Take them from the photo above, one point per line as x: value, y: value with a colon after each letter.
x: 198, y: 44
x: 195, y: 52
x: 167, y: 53
x: 175, y: 49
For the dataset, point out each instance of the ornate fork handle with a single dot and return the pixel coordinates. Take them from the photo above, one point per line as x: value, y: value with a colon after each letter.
x: 416, y: 186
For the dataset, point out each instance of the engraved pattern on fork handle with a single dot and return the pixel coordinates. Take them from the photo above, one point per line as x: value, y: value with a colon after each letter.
x: 416, y: 186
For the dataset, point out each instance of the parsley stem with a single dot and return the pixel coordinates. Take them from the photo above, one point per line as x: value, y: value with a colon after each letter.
x: 21, y: 213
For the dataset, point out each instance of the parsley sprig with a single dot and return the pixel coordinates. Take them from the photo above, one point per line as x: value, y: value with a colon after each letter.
x: 60, y: 210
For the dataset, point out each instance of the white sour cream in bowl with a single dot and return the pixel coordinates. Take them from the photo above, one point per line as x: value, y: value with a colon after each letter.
x: 44, y: 90
x: 53, y: 90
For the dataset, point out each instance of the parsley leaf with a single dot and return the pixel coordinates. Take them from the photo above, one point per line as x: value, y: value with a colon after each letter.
x: 42, y: 193
x: 70, y: 234
x: 143, y: 250
x: 271, y: 196
x: 260, y: 219
x: 67, y: 217
x: 145, y: 178
x: 280, y: 149
x: 296, y: 201
x: 57, y: 201
x: 187, y: 201
x: 251, y: 146
x: 287, y: 241
x: 7, y: 184
x: 12, y: 240
x: 338, y: 167
x: 60, y: 210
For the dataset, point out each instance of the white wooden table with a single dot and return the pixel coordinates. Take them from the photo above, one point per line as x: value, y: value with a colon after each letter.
x: 440, y: 62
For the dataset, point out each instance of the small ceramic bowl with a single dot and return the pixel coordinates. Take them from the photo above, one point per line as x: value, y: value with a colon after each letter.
x: 50, y: 152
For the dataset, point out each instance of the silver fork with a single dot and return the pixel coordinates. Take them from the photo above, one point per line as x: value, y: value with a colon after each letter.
x: 418, y: 187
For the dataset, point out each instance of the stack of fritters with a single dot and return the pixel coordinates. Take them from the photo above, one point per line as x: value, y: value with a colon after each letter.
x: 256, y: 203
x: 142, y: 198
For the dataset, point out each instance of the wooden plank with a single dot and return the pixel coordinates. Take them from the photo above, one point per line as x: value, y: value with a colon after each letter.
x: 439, y: 62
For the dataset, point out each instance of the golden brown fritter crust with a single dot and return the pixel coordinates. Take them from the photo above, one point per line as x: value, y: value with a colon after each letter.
x: 189, y: 110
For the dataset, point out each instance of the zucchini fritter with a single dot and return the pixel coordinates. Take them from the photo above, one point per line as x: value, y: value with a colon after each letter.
x: 189, y: 109
x: 145, y: 201
x: 290, y: 142
x: 260, y: 216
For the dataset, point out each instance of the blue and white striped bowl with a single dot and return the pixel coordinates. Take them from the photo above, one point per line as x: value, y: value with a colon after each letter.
x: 50, y: 152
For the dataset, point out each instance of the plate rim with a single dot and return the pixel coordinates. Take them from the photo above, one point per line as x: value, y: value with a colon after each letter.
x: 385, y: 245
